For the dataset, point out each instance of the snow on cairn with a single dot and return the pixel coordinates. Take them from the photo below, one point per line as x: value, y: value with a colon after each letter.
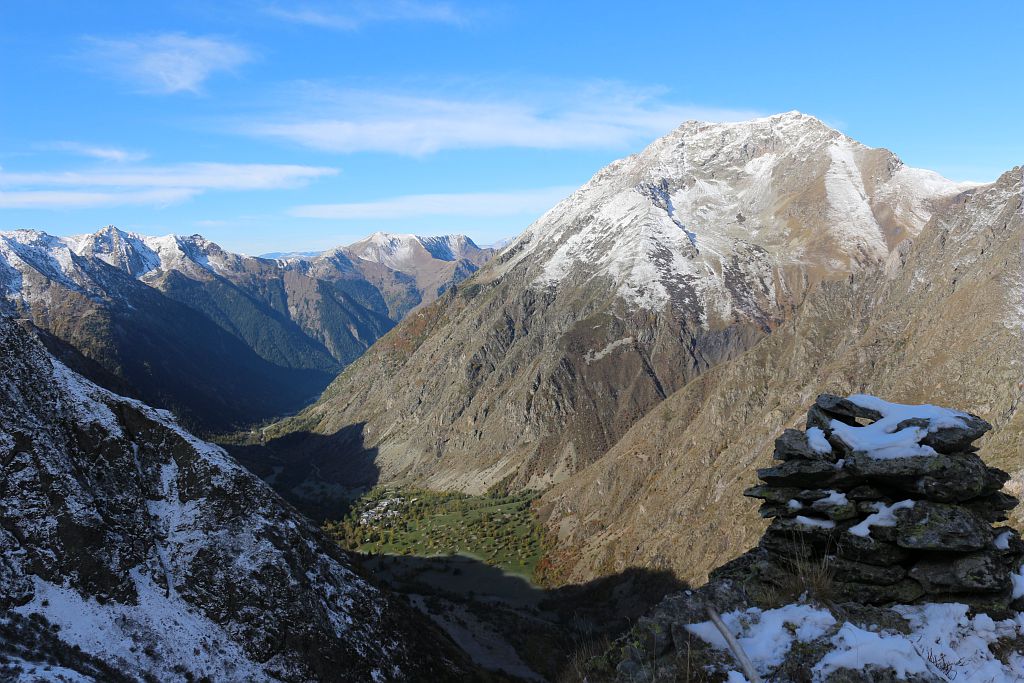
x: 881, y: 559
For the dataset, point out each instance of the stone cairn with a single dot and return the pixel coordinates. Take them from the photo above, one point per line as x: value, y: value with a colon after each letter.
x: 891, y: 501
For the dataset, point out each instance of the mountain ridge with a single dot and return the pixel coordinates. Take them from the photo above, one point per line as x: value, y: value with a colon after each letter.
x: 285, y: 328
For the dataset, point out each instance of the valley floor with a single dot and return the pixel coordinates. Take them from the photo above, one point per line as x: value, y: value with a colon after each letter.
x: 470, y: 564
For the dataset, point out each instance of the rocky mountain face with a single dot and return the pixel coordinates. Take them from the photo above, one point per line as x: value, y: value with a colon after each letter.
x: 940, y: 320
x: 223, y: 340
x: 881, y: 564
x: 434, y: 264
x: 664, y: 266
x: 133, y: 551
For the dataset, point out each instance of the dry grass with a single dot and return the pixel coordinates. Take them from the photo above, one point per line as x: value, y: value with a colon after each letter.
x: 580, y: 669
x: 806, y: 575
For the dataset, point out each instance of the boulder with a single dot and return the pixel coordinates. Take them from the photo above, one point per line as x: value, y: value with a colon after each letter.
x: 992, y: 508
x: 804, y: 473
x: 773, y: 494
x: 942, y: 477
x: 793, y: 444
x: 870, y: 550
x: 862, y: 572
x: 951, y: 439
x: 845, y: 410
x: 975, y: 572
x: 903, y: 591
x: 940, y: 526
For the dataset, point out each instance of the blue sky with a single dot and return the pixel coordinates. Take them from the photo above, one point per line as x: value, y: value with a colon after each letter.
x: 276, y: 126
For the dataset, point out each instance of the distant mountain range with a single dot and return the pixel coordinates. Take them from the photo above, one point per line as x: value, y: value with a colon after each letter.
x: 290, y: 255
x: 223, y: 340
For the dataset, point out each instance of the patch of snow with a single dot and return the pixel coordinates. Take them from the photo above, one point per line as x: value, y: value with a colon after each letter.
x: 909, y: 190
x: 767, y: 635
x: 794, y: 504
x: 85, y: 403
x: 937, y: 631
x: 850, y: 211
x: 598, y: 355
x: 817, y: 441
x: 815, y: 523
x: 1017, y: 578
x: 883, y: 516
x: 157, y: 634
x: 881, y: 440
x: 833, y: 499
x: 1002, y: 541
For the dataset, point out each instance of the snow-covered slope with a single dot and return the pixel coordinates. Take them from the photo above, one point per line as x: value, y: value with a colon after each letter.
x: 708, y: 214
x: 66, y: 259
x: 433, y: 263
x: 403, y: 252
x: 156, y: 553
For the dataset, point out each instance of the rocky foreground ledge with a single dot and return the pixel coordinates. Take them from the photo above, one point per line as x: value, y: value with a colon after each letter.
x: 881, y: 563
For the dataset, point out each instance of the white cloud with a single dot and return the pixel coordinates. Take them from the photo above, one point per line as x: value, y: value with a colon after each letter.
x: 156, y: 185
x: 476, y: 204
x: 603, y: 116
x: 357, y: 14
x: 96, y: 152
x: 60, y: 199
x: 206, y: 176
x: 166, y: 63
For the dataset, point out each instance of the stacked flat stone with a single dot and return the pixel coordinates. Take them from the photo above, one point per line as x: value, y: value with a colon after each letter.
x: 893, y: 503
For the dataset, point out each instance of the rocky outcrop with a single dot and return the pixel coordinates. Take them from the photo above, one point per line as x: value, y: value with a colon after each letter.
x: 880, y: 564
x: 131, y: 550
x: 900, y: 508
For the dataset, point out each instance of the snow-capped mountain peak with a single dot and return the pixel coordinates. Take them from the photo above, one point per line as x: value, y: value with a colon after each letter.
x: 400, y: 250
x: 124, y: 250
x: 714, y: 209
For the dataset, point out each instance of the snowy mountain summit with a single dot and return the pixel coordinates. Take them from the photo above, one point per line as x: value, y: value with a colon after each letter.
x: 401, y: 251
x: 716, y: 217
x: 68, y: 259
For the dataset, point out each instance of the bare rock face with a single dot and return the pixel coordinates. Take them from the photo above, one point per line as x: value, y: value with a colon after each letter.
x: 132, y: 543
x: 664, y: 266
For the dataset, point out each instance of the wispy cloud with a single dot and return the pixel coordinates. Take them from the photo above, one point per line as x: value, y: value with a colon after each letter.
x: 155, y: 185
x: 474, y: 204
x: 95, y: 151
x: 196, y: 175
x: 357, y: 14
x: 165, y: 63
x: 602, y: 116
x: 63, y: 199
